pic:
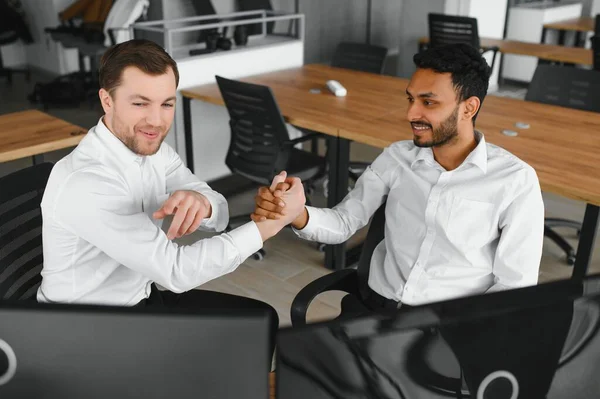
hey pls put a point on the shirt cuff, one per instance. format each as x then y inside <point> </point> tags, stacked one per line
<point>211,222</point>
<point>311,227</point>
<point>247,239</point>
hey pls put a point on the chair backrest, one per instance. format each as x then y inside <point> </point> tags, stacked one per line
<point>565,86</point>
<point>375,234</point>
<point>258,131</point>
<point>21,257</point>
<point>251,5</point>
<point>360,57</point>
<point>451,29</point>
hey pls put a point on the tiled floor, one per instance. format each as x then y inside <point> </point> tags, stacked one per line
<point>290,263</point>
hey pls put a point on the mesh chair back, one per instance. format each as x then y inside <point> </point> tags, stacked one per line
<point>375,234</point>
<point>566,87</point>
<point>452,29</point>
<point>21,257</point>
<point>258,131</point>
<point>360,57</point>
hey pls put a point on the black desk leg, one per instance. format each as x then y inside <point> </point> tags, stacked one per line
<point>37,159</point>
<point>544,32</point>
<point>187,131</point>
<point>339,156</point>
<point>561,37</point>
<point>579,41</point>
<point>586,241</point>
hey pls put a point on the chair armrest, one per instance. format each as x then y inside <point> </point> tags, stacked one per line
<point>302,139</point>
<point>343,280</point>
<point>493,48</point>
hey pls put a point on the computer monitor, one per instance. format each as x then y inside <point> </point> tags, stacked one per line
<point>536,342</point>
<point>77,351</point>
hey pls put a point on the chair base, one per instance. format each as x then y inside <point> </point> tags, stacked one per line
<point>562,243</point>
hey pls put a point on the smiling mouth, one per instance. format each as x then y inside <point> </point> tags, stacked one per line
<point>150,135</point>
<point>420,127</point>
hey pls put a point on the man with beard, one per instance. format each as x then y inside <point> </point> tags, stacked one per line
<point>105,202</point>
<point>463,217</point>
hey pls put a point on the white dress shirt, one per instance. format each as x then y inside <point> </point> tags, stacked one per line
<point>448,234</point>
<point>101,244</point>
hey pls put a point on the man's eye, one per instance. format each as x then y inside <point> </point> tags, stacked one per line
<point>410,99</point>
<point>139,104</point>
<point>168,105</point>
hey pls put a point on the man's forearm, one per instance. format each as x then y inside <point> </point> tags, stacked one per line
<point>268,228</point>
<point>301,221</point>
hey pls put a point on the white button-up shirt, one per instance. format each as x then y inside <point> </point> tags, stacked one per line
<point>448,234</point>
<point>101,244</point>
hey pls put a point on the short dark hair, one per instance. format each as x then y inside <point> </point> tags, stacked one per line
<point>469,70</point>
<point>143,54</point>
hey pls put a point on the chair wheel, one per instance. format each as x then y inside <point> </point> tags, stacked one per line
<point>570,260</point>
<point>321,247</point>
<point>260,255</point>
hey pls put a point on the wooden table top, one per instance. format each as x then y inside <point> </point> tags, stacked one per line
<point>580,24</point>
<point>551,52</point>
<point>28,133</point>
<point>367,97</point>
<point>562,144</point>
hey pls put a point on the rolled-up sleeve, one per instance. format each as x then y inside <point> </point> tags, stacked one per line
<point>98,210</point>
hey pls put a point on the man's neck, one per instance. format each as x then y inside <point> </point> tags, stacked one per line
<point>451,155</point>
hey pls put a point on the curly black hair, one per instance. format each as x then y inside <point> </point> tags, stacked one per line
<point>470,71</point>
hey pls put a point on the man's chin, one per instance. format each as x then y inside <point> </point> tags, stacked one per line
<point>419,142</point>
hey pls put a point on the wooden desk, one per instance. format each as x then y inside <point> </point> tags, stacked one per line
<point>566,162</point>
<point>32,133</point>
<point>580,26</point>
<point>562,145</point>
<point>368,97</point>
<point>272,385</point>
<point>550,52</point>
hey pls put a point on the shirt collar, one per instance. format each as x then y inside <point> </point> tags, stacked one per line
<point>477,157</point>
<point>116,146</point>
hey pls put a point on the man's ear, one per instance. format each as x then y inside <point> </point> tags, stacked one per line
<point>471,107</point>
<point>106,100</point>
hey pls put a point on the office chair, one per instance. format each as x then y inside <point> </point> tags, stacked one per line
<point>352,281</point>
<point>260,145</point>
<point>360,57</point>
<point>450,29</point>
<point>12,28</point>
<point>21,256</point>
<point>572,88</point>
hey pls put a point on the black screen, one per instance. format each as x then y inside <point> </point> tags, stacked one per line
<point>535,342</point>
<point>104,352</point>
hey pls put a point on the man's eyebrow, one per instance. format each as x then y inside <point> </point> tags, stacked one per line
<point>429,94</point>
<point>147,99</point>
